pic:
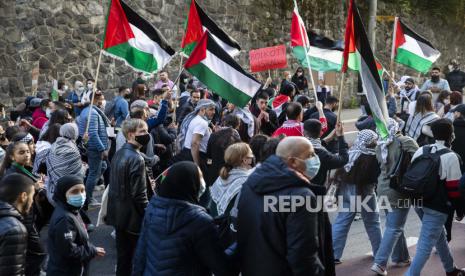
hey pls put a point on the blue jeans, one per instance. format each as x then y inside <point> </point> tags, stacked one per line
<point>432,234</point>
<point>393,238</point>
<point>96,168</point>
<point>344,219</point>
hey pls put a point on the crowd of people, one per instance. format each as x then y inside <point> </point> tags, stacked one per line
<point>186,174</point>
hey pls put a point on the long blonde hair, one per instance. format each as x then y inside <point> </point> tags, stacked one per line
<point>233,157</point>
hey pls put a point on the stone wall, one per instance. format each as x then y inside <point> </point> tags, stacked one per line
<point>61,38</point>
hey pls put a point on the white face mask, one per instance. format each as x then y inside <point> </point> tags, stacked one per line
<point>90,85</point>
<point>65,88</point>
<point>48,113</point>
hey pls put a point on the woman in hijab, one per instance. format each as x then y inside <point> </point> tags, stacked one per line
<point>68,243</point>
<point>63,158</point>
<point>178,237</point>
<point>359,179</point>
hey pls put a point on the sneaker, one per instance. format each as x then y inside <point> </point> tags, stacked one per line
<point>403,263</point>
<point>93,203</point>
<point>90,227</point>
<point>357,217</point>
<point>456,272</point>
<point>113,234</point>
<point>337,261</point>
<point>379,269</point>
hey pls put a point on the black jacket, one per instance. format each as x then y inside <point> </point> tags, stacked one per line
<point>68,244</point>
<point>458,144</point>
<point>127,195</point>
<point>278,243</point>
<point>185,109</point>
<point>179,238</point>
<point>217,144</point>
<point>330,161</point>
<point>331,118</point>
<point>301,82</point>
<point>35,249</point>
<point>13,241</point>
<point>456,80</point>
<point>167,137</point>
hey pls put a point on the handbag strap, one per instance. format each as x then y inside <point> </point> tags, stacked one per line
<point>234,211</point>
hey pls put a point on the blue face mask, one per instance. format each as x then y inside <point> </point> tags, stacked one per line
<point>76,200</point>
<point>313,165</point>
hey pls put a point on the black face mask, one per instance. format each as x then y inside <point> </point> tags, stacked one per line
<point>127,96</point>
<point>143,139</point>
<point>434,78</point>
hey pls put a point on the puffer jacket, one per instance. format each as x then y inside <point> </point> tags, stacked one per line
<point>13,241</point>
<point>178,238</point>
<point>281,243</point>
<point>33,221</point>
<point>127,194</point>
<point>98,137</point>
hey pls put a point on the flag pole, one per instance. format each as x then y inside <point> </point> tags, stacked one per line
<point>341,87</point>
<point>393,49</point>
<point>177,80</point>
<point>306,55</point>
<point>94,89</point>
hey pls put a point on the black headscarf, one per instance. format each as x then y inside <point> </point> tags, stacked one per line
<point>182,182</point>
<point>63,185</point>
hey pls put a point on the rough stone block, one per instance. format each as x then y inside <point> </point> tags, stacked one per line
<point>70,58</point>
<point>45,64</point>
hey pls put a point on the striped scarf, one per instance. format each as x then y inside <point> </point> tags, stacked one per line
<point>63,159</point>
<point>416,122</point>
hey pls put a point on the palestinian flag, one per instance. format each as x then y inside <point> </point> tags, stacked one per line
<point>215,68</point>
<point>278,103</point>
<point>358,49</point>
<point>411,49</point>
<point>324,54</point>
<point>197,23</point>
<point>131,38</point>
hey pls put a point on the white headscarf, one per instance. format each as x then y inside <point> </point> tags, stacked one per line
<point>364,138</point>
<point>393,129</point>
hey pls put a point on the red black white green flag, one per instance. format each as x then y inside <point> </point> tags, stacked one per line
<point>357,51</point>
<point>411,49</point>
<point>133,39</point>
<point>215,68</point>
<point>197,23</point>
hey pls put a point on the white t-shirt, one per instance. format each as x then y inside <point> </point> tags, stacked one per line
<point>198,125</point>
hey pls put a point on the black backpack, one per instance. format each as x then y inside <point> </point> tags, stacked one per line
<point>422,176</point>
<point>403,162</point>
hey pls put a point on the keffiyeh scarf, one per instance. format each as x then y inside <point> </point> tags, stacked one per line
<point>393,129</point>
<point>365,138</point>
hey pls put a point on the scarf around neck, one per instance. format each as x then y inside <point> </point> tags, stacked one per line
<point>364,138</point>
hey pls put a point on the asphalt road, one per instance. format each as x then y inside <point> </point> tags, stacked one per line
<point>357,254</point>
